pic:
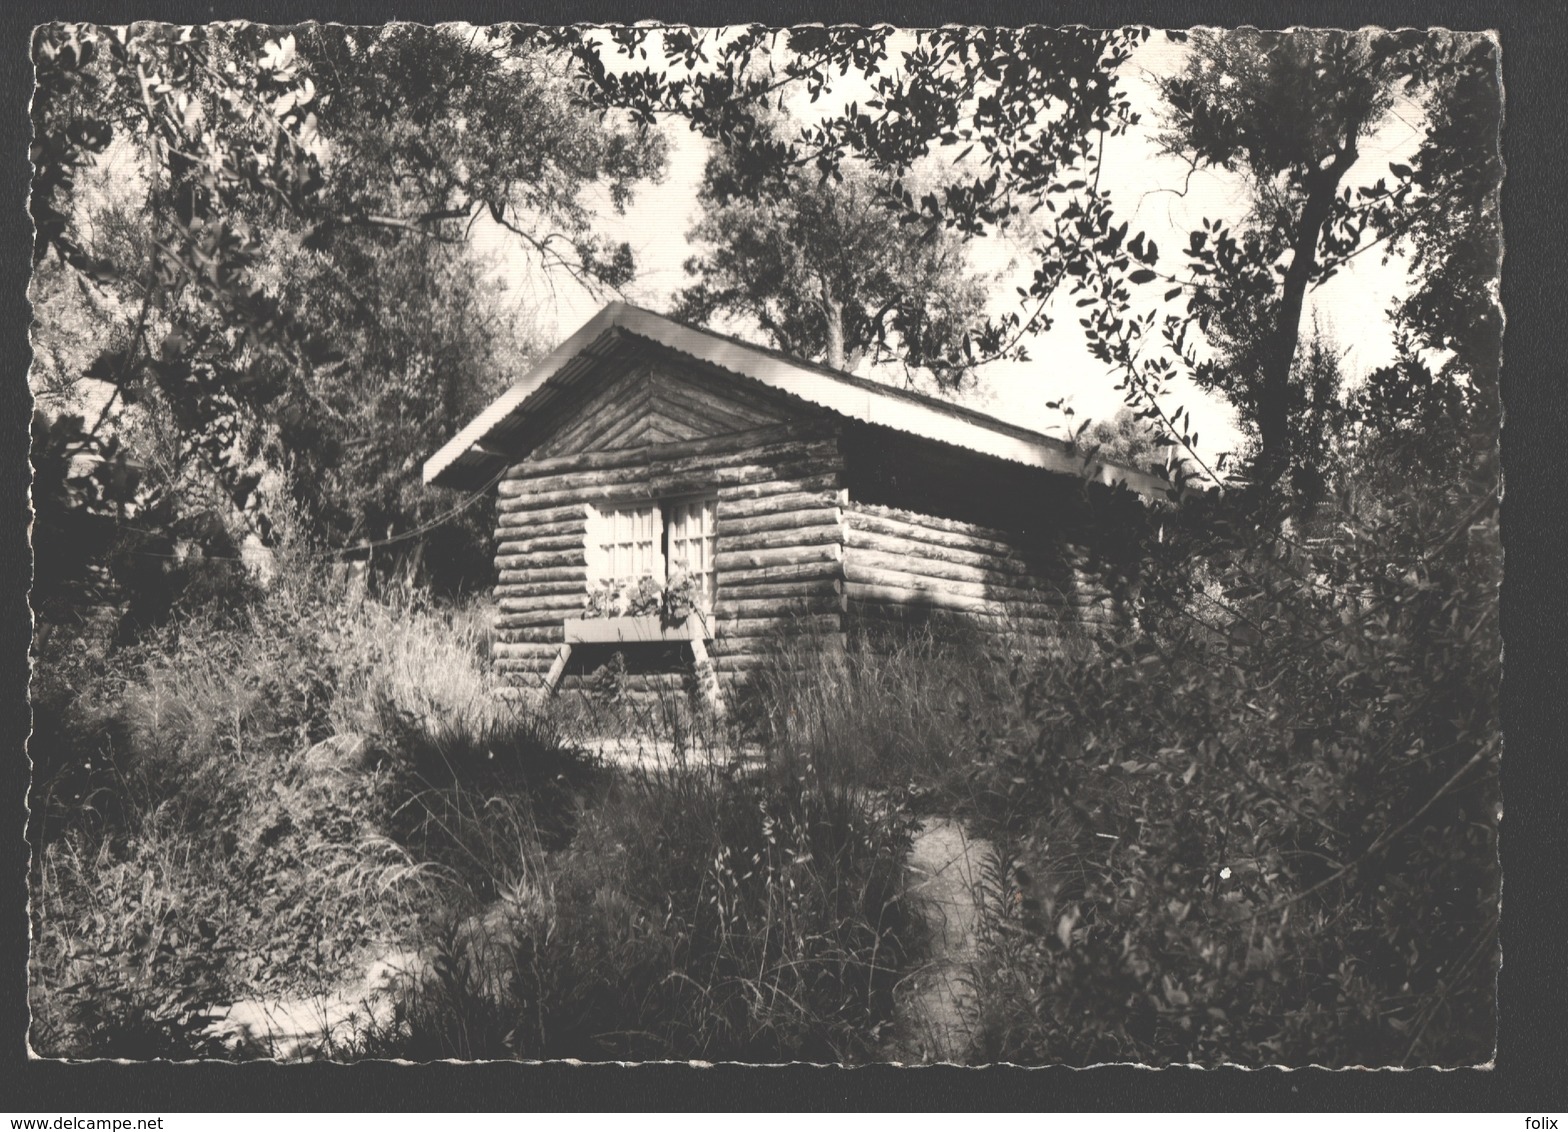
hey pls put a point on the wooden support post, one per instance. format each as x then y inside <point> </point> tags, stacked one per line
<point>707,679</point>
<point>554,676</point>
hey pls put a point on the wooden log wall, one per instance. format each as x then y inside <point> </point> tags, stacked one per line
<point>780,559</point>
<point>900,565</point>
<point>780,532</point>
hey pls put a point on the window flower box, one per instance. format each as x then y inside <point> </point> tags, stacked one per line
<point>632,630</point>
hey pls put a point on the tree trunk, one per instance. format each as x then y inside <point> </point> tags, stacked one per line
<point>833,312</point>
<point>1274,401</point>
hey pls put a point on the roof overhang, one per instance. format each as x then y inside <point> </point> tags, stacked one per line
<point>472,457</point>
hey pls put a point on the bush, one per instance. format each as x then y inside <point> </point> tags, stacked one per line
<point>898,710</point>
<point>130,947</point>
<point>695,915</point>
<point>197,840</point>
<point>1264,830</point>
<point>324,773</point>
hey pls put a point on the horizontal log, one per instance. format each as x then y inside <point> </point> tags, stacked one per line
<point>539,518</point>
<point>822,452</point>
<point>773,540</point>
<point>797,664</point>
<point>558,605</point>
<point>935,523</point>
<point>517,584</point>
<point>543,560</point>
<point>522,528</point>
<point>910,601</point>
<point>517,669</point>
<point>532,575</point>
<point>782,556</point>
<point>962,579</point>
<point>1002,560</point>
<point>820,585</point>
<point>872,612</point>
<point>733,509</point>
<point>813,625</point>
<point>748,662</point>
<point>523,618</point>
<point>876,529</point>
<point>734,493</point>
<point>873,520</point>
<point>524,650</point>
<point>569,540</point>
<point>825,566</point>
<point>531,634</point>
<point>509,599</point>
<point>650,453</point>
<point>1032,622</point>
<point>778,607</point>
<point>660,483</point>
<point>746,646</point>
<point>809,453</point>
<point>893,588</point>
<point>783,519</point>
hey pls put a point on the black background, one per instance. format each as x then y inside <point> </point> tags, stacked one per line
<point>1531,1070</point>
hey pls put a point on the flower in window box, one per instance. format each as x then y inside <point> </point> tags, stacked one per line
<point>602,600</point>
<point>644,597</point>
<point>680,597</point>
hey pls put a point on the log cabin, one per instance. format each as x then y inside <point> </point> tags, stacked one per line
<point>786,496</point>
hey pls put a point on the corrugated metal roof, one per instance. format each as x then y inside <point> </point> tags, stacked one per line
<point>477,453</point>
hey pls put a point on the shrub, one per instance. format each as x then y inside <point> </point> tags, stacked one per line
<point>130,947</point>
<point>897,710</point>
<point>479,790</point>
<point>194,843</point>
<point>694,915</point>
<point>1265,834</point>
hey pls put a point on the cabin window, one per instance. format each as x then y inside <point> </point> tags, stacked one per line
<point>624,543</point>
<point>691,542</point>
<point>654,540</point>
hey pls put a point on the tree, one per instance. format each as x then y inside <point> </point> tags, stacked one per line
<point>1445,382</point>
<point>1032,108</point>
<point>1287,111</point>
<point>1124,439</point>
<point>831,270</point>
<point>293,281</point>
<point>428,337</point>
<point>1026,108</point>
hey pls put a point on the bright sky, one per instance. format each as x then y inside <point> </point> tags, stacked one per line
<point>1153,192</point>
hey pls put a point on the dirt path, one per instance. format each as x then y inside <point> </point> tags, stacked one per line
<point>935,1008</point>
<point>296,1029</point>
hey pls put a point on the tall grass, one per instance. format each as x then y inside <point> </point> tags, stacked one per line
<point>904,709</point>
<point>194,840</point>
<point>694,914</point>
<point>714,908</point>
<point>323,775</point>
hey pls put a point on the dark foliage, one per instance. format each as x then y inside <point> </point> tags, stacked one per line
<point>1287,851</point>
<point>694,915</point>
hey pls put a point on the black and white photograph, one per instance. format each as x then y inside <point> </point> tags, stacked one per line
<point>826,544</point>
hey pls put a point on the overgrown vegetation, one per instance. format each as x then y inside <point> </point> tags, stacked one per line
<point>1242,869</point>
<point>263,799</point>
<point>1256,822</point>
<point>696,914</point>
<point>1269,838</point>
<point>210,807</point>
